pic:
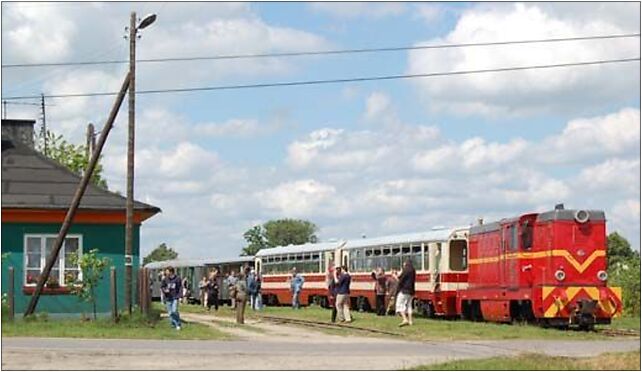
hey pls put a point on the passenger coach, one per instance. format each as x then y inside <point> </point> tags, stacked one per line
<point>439,256</point>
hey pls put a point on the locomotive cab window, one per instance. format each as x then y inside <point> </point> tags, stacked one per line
<point>458,255</point>
<point>527,235</point>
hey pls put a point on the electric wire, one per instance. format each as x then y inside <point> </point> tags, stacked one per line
<point>335,81</point>
<point>321,52</point>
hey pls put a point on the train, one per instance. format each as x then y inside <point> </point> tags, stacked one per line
<point>194,271</point>
<point>548,268</point>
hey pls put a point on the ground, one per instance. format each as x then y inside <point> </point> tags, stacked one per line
<point>265,345</point>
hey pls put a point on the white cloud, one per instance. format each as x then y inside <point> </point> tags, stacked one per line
<point>36,34</point>
<point>614,175</point>
<point>378,106</point>
<point>298,198</point>
<point>348,10</point>
<point>532,91</point>
<point>233,128</point>
<point>613,134</point>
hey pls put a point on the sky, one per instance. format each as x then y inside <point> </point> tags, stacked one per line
<point>371,158</point>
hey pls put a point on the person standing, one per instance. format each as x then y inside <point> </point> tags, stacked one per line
<point>212,291</point>
<point>202,291</point>
<point>332,293</point>
<point>296,285</point>
<point>391,291</point>
<point>380,290</point>
<point>259,298</point>
<point>185,290</point>
<point>241,298</point>
<point>252,289</point>
<point>231,286</point>
<point>343,294</point>
<point>171,288</point>
<point>406,293</point>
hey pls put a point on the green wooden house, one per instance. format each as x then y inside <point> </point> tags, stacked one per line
<point>36,192</point>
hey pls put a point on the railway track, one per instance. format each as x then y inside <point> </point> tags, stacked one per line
<point>326,325</point>
<point>619,332</point>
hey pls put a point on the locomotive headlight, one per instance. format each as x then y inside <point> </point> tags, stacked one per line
<point>582,216</point>
<point>602,275</point>
<point>560,275</point>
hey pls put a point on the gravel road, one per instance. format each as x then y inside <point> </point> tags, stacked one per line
<point>318,353</point>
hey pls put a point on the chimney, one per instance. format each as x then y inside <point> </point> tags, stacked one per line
<point>18,130</point>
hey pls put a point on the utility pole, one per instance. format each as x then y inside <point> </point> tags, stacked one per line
<point>130,164</point>
<point>129,214</point>
<point>91,140</point>
<point>75,202</point>
<point>43,130</point>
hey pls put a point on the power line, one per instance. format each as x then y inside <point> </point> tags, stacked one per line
<point>335,81</point>
<point>321,52</point>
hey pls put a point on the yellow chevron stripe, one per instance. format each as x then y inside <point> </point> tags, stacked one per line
<point>580,267</point>
<point>546,291</point>
<point>593,293</point>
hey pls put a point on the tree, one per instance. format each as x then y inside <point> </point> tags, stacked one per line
<point>92,268</point>
<point>619,250</point>
<point>160,253</point>
<point>256,240</point>
<point>281,232</point>
<point>74,157</point>
<point>624,272</point>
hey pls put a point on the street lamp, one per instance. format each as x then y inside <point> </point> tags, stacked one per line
<point>129,213</point>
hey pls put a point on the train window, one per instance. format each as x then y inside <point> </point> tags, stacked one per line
<point>527,235</point>
<point>277,259</point>
<point>416,249</point>
<point>315,256</point>
<point>396,251</point>
<point>458,253</point>
<point>386,251</point>
<point>368,252</point>
<point>299,257</point>
<point>405,250</point>
<point>513,238</point>
<point>377,252</point>
<point>426,257</point>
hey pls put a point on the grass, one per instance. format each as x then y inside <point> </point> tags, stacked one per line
<point>428,329</point>
<point>135,327</point>
<point>627,361</point>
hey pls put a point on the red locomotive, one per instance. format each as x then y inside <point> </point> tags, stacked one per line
<point>549,267</point>
<point>546,267</point>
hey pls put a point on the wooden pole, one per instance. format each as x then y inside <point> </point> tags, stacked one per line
<point>113,294</point>
<point>129,216</point>
<point>11,294</point>
<point>80,191</point>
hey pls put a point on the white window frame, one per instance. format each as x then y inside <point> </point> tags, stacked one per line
<point>43,257</point>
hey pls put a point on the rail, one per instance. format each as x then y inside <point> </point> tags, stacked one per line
<point>311,323</point>
<point>618,332</point>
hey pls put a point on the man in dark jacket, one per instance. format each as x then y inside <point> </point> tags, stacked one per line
<point>406,292</point>
<point>171,288</point>
<point>343,280</point>
<point>212,291</point>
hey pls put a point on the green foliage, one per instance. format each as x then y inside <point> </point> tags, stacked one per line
<point>71,156</point>
<point>281,232</point>
<point>256,240</point>
<point>624,271</point>
<point>160,253</point>
<point>92,268</point>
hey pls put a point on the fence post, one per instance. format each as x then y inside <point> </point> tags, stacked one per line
<point>114,303</point>
<point>11,294</point>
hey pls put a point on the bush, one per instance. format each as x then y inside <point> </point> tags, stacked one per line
<point>627,275</point>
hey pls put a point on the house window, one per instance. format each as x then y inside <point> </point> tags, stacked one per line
<point>38,248</point>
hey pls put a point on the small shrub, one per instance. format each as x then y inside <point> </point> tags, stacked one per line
<point>42,317</point>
